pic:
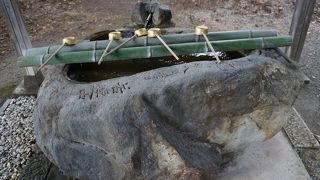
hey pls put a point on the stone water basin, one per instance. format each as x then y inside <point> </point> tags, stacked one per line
<point>162,119</point>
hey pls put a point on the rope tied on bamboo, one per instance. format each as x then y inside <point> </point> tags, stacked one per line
<point>67,41</point>
<point>203,31</point>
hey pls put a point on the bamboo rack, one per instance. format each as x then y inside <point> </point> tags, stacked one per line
<point>157,51</point>
<point>144,41</point>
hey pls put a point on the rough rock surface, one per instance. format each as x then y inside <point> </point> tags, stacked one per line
<point>161,14</point>
<point>178,122</point>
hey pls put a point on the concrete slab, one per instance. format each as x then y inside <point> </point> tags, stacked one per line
<point>299,133</point>
<point>311,159</point>
<point>274,159</point>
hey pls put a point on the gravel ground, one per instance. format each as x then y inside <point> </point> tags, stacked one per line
<point>16,137</point>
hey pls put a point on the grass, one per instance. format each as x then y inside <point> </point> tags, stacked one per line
<point>6,92</point>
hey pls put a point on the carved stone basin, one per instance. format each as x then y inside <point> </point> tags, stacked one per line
<point>165,121</point>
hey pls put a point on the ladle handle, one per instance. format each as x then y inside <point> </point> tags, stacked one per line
<point>211,47</point>
<point>105,52</point>
<point>168,48</point>
<point>52,55</point>
<point>118,47</point>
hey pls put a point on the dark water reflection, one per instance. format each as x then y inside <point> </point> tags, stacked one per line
<point>91,72</point>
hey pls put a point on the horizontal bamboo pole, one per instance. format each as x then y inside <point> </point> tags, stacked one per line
<point>157,51</point>
<point>144,41</point>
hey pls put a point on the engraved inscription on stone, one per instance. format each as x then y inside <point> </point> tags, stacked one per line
<point>97,92</point>
<point>161,75</point>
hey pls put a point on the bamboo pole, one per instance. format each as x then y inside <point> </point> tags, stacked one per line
<point>158,51</point>
<point>169,39</point>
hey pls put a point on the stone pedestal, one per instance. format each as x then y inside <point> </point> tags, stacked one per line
<point>29,85</point>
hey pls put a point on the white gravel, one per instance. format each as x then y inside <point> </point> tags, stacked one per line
<point>16,137</point>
